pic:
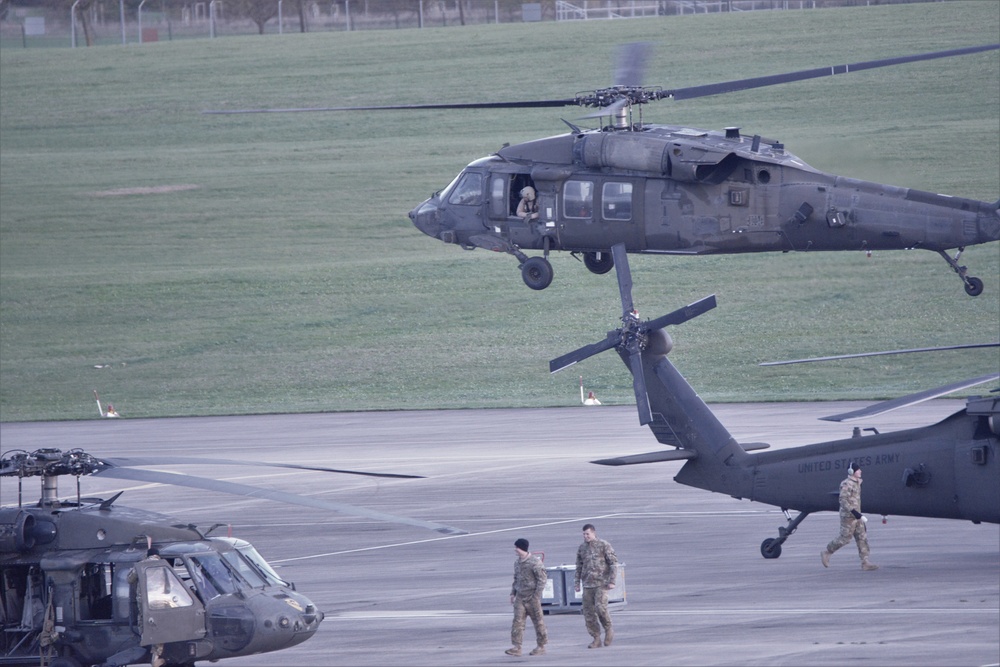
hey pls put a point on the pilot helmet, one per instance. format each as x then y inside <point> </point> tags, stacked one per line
<point>528,192</point>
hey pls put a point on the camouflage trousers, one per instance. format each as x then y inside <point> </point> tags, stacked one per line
<point>595,610</point>
<point>528,607</point>
<point>851,528</point>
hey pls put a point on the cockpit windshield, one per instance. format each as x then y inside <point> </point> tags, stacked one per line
<point>467,189</point>
<point>262,565</point>
<point>245,569</point>
<point>211,576</point>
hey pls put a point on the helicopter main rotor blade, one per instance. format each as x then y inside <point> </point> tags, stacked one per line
<point>630,67</point>
<point>801,75</point>
<point>878,354</point>
<point>524,104</point>
<point>912,399</point>
<point>628,87</point>
<point>181,460</point>
<point>269,494</point>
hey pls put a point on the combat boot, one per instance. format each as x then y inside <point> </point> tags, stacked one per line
<point>596,643</point>
<point>867,565</point>
<point>825,557</point>
<point>609,634</point>
<point>515,650</point>
<point>538,650</point>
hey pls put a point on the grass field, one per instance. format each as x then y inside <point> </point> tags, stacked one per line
<point>187,264</point>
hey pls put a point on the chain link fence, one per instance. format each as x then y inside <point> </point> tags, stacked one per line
<point>81,23</point>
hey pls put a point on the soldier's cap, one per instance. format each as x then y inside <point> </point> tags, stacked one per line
<point>521,544</point>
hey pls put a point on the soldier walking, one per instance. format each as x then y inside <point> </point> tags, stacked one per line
<point>852,522</point>
<point>526,596</point>
<point>596,569</point>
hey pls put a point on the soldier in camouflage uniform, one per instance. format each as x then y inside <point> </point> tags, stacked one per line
<point>852,523</point>
<point>596,568</point>
<point>526,596</point>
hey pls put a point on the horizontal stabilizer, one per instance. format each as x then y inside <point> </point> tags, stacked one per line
<point>753,446</point>
<point>912,399</point>
<point>651,457</point>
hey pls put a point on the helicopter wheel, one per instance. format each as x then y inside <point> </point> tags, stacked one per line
<point>974,286</point>
<point>770,548</point>
<point>537,273</point>
<point>598,262</point>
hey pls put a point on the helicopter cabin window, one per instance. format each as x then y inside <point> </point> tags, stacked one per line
<point>164,590</point>
<point>96,580</point>
<point>469,190</point>
<point>616,201</point>
<point>23,608</point>
<point>499,201</point>
<point>578,199</point>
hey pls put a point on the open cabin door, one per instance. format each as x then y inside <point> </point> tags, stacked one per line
<point>169,612</point>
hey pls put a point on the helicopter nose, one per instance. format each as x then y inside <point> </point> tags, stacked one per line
<point>427,218</point>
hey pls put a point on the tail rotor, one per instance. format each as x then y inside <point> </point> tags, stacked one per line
<point>634,336</point>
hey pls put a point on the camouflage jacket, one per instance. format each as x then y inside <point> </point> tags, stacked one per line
<point>850,496</point>
<point>596,564</point>
<point>529,578</point>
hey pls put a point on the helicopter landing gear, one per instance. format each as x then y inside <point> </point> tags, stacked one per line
<point>973,285</point>
<point>537,273</point>
<point>771,547</point>
<point>598,262</point>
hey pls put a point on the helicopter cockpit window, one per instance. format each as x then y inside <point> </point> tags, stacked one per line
<point>211,576</point>
<point>616,201</point>
<point>164,590</point>
<point>262,565</point>
<point>245,569</point>
<point>469,190</point>
<point>578,199</point>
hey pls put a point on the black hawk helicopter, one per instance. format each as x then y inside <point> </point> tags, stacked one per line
<point>948,470</point>
<point>665,189</point>
<point>89,582</point>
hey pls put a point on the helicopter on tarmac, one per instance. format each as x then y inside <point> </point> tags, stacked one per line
<point>89,582</point>
<point>665,189</point>
<point>948,470</point>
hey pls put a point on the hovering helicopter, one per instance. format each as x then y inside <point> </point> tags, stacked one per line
<point>948,470</point>
<point>666,189</point>
<point>89,582</point>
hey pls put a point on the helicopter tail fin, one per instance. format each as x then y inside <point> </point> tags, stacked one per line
<point>683,417</point>
<point>682,420</point>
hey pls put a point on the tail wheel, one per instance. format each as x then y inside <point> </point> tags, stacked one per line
<point>599,262</point>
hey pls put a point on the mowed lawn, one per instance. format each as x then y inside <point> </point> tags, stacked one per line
<point>190,264</point>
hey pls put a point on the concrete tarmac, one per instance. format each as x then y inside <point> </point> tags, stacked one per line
<point>698,590</point>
